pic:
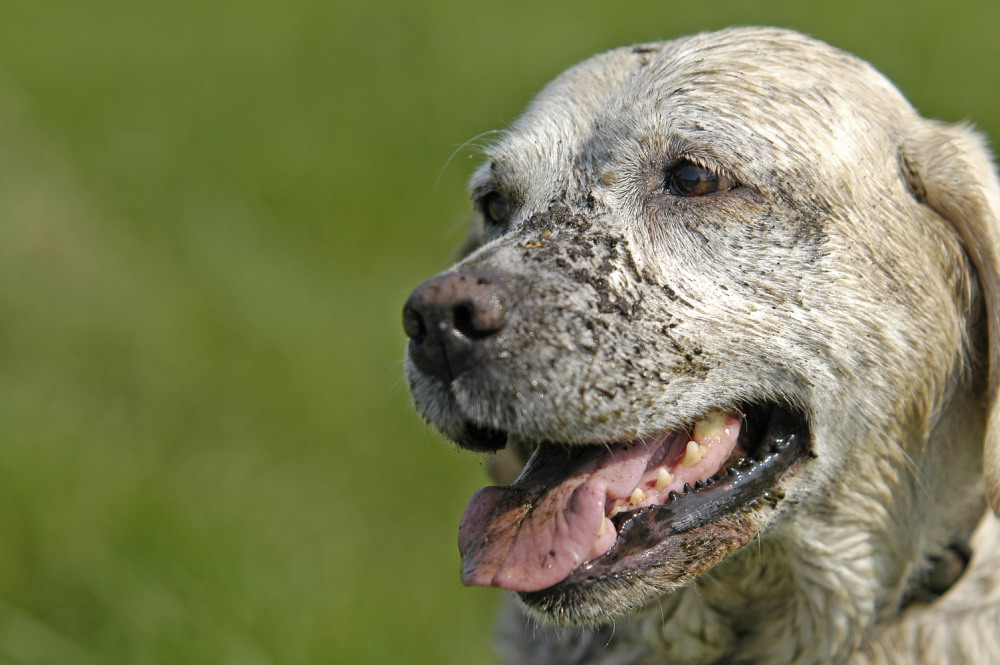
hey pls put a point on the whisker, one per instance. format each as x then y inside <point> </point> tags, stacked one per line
<point>472,142</point>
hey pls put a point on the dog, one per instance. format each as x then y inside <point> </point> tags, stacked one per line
<point>727,326</point>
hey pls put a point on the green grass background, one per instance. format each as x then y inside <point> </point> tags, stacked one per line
<point>210,215</point>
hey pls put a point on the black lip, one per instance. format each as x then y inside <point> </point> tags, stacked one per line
<point>776,439</point>
<point>480,438</point>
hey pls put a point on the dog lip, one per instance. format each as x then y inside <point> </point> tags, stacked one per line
<point>481,438</point>
<point>650,536</point>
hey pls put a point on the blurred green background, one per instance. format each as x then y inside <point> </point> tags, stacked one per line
<point>210,214</point>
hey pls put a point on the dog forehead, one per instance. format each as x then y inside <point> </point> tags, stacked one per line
<point>761,93</point>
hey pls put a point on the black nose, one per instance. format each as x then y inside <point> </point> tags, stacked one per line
<point>451,318</point>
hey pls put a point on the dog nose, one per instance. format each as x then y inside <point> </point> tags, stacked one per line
<point>450,317</point>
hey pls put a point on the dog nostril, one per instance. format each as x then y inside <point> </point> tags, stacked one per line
<point>463,321</point>
<point>413,323</point>
<point>478,320</point>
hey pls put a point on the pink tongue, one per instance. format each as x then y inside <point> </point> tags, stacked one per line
<point>534,533</point>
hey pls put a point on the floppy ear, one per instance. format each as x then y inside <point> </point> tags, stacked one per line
<point>949,168</point>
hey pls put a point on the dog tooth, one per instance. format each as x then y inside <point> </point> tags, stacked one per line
<point>711,427</point>
<point>615,511</point>
<point>637,496</point>
<point>693,453</point>
<point>603,529</point>
<point>663,478</point>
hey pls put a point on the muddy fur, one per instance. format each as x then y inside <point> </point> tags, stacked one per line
<point>851,273</point>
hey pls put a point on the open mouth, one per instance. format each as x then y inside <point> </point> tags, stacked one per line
<point>580,515</point>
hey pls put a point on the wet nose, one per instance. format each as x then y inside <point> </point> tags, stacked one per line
<point>451,318</point>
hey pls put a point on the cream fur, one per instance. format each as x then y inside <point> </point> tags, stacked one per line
<point>854,274</point>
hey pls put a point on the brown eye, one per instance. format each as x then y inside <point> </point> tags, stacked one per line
<point>689,179</point>
<point>495,207</point>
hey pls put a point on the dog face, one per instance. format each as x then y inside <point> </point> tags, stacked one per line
<point>725,288</point>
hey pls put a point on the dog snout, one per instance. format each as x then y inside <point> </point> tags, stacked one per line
<point>452,318</point>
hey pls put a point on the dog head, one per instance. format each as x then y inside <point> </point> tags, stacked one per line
<point>721,288</point>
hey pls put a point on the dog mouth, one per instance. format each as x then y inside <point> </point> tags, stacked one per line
<point>585,515</point>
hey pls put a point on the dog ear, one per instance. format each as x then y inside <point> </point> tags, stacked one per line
<point>949,168</point>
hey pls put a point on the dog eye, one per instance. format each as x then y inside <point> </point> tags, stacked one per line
<point>495,207</point>
<point>689,179</point>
